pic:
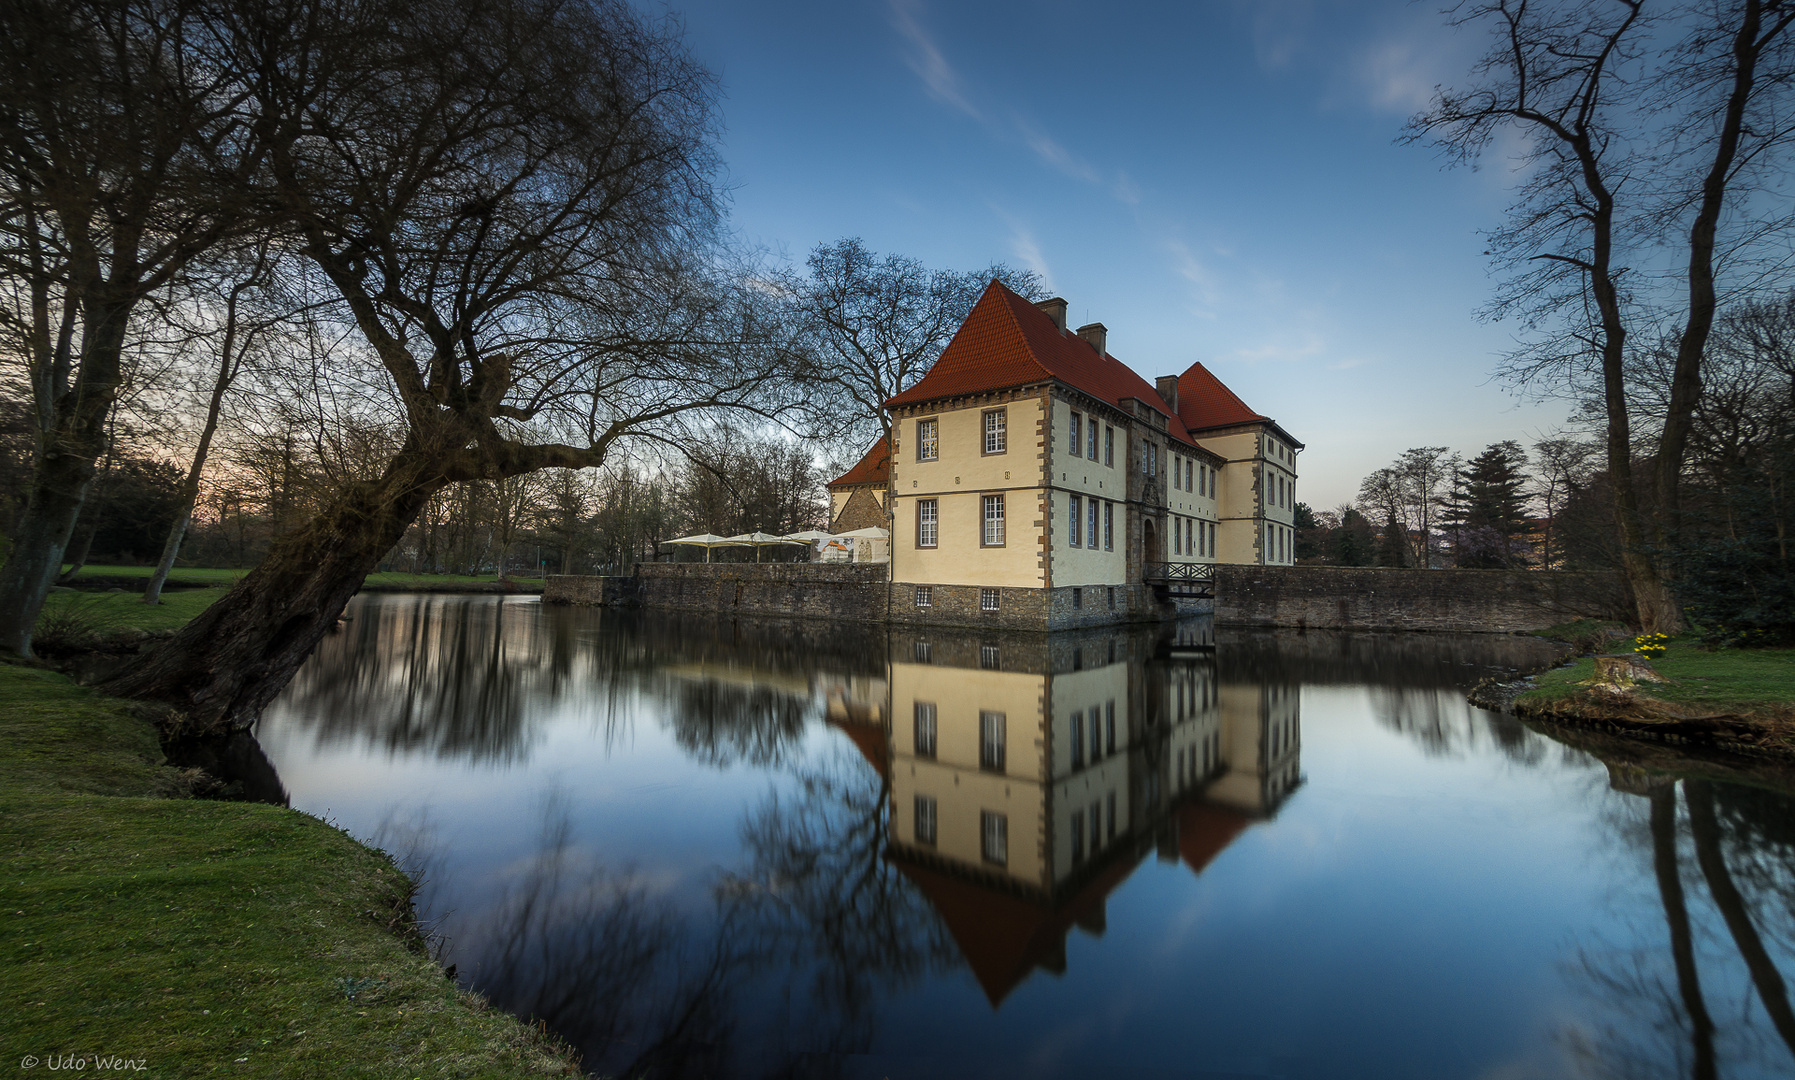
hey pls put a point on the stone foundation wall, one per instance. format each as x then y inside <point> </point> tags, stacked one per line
<point>1366,598</point>
<point>1027,609</point>
<point>855,592</point>
<point>592,591</point>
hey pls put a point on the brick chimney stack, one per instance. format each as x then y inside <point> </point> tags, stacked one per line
<point>1168,391</point>
<point>1097,334</point>
<point>1056,310</point>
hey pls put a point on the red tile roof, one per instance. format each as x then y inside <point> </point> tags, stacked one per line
<point>874,466</point>
<point>1203,402</point>
<point>1007,341</point>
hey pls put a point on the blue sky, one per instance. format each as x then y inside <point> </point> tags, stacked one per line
<point>1215,181</point>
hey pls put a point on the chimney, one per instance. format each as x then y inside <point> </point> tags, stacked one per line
<point>1168,391</point>
<point>1097,334</point>
<point>1056,310</point>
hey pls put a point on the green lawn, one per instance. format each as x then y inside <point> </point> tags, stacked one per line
<point>206,937</point>
<point>204,576</point>
<point>1703,679</point>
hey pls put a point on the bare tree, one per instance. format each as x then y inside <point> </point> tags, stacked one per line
<point>514,203</point>
<point>1597,97</point>
<point>118,148</point>
<point>876,324</point>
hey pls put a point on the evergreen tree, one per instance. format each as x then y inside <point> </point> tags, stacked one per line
<point>1309,534</point>
<point>1353,544</point>
<point>1488,514</point>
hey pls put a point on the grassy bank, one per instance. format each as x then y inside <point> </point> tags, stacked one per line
<point>203,937</point>
<point>189,577</point>
<point>1740,697</point>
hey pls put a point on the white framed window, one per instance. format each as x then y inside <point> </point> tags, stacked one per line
<point>1109,445</point>
<point>1075,523</point>
<point>928,517</point>
<point>925,596</point>
<point>928,440</point>
<point>925,729</point>
<point>989,658</point>
<point>994,837</point>
<point>992,535</point>
<point>1189,467</point>
<point>996,432</point>
<point>923,652</point>
<point>1077,603</point>
<point>1077,440</point>
<point>1202,480</point>
<point>1091,532</point>
<point>1091,439</point>
<point>988,602</point>
<point>991,740</point>
<point>925,820</point>
<point>1109,526</point>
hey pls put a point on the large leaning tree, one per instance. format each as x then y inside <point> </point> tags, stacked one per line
<point>514,201</point>
<point>1646,127</point>
<point>124,157</point>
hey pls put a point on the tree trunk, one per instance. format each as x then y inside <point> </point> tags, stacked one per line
<point>1685,383</point>
<point>1682,944</point>
<point>76,556</point>
<point>1772,991</point>
<point>71,444</point>
<point>226,665</point>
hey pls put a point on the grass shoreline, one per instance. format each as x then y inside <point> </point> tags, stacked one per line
<point>1736,700</point>
<point>183,578</point>
<point>201,937</point>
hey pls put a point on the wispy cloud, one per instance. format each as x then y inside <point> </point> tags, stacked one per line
<point>1283,347</point>
<point>1399,75</point>
<point>1280,30</point>
<point>925,57</point>
<point>1056,155</point>
<point>1205,285</point>
<point>1125,189</point>
<point>1025,249</point>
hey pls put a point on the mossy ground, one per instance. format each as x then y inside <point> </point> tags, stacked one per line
<point>1741,699</point>
<point>206,938</point>
<point>186,577</point>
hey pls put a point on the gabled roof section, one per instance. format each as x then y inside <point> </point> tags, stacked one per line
<point>1203,402</point>
<point>1007,342</point>
<point>874,467</point>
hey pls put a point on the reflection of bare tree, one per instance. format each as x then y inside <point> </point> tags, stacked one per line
<point>1698,1017</point>
<point>1773,993</point>
<point>828,893</point>
<point>640,989</point>
<point>1676,915</point>
<point>721,723</point>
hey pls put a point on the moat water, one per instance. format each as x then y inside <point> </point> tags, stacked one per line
<point>698,848</point>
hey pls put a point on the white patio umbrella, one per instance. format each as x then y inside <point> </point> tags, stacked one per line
<point>871,532</point>
<point>707,541</point>
<point>758,540</point>
<point>810,536</point>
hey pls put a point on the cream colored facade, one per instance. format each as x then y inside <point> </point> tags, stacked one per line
<point>1101,745</point>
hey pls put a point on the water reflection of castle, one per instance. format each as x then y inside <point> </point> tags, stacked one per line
<point>1029,776</point>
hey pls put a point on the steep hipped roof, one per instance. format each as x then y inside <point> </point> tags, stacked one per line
<point>1007,341</point>
<point>1203,402</point>
<point>874,466</point>
<point>1004,937</point>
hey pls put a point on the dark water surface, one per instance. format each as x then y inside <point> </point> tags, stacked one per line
<point>731,849</point>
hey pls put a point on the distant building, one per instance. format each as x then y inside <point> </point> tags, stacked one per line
<point>1036,481</point>
<point>857,497</point>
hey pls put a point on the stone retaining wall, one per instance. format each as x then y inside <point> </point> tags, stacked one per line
<point>851,591</point>
<point>1367,598</point>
